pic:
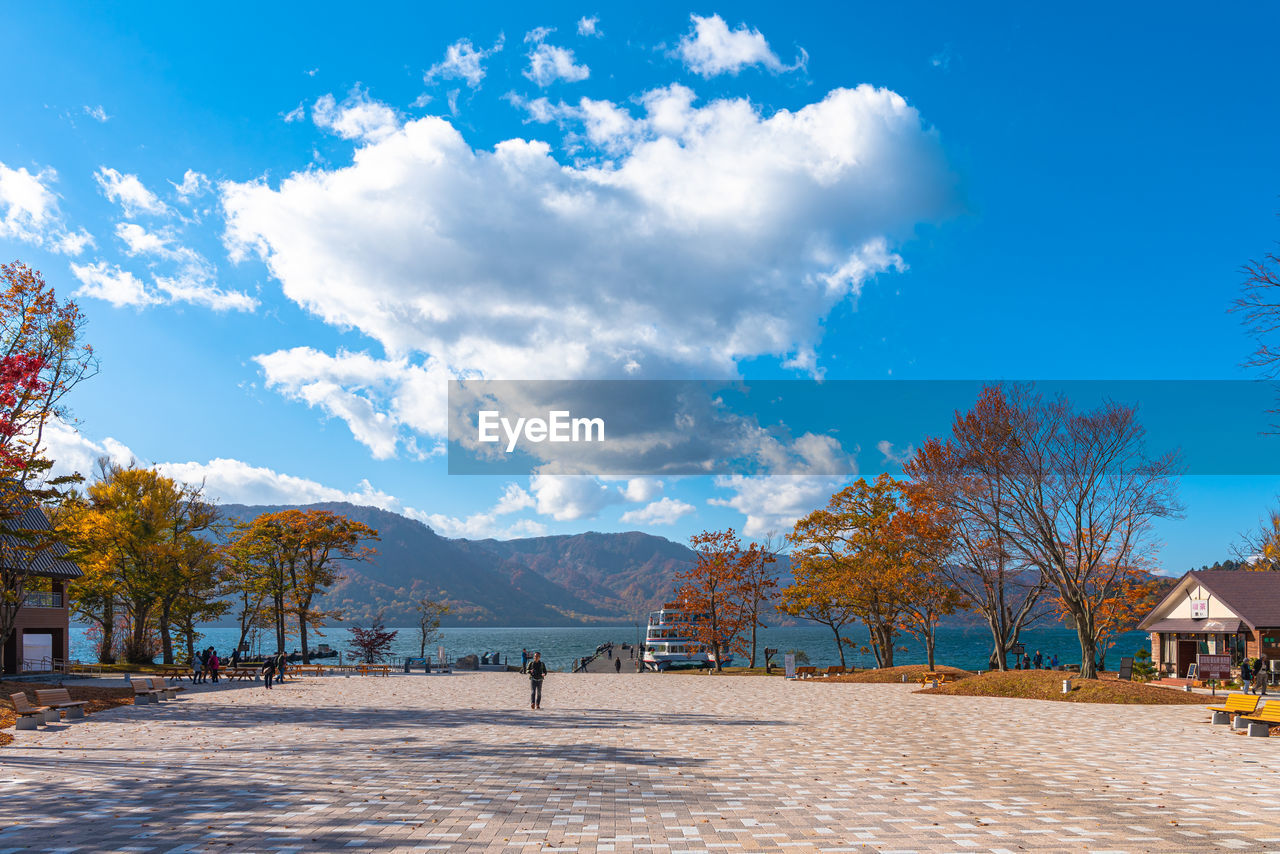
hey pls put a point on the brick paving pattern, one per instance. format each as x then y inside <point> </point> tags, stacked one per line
<point>633,763</point>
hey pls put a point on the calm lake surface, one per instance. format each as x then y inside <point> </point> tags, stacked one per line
<point>966,647</point>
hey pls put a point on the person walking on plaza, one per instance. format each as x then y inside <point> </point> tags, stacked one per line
<point>269,670</point>
<point>617,664</point>
<point>1260,677</point>
<point>1246,676</point>
<point>214,663</point>
<point>524,660</point>
<point>197,672</point>
<point>537,672</point>
<point>1038,662</point>
<point>204,666</point>
<point>235,657</point>
<point>281,661</point>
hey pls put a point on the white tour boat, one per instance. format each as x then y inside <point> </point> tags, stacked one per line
<point>667,642</point>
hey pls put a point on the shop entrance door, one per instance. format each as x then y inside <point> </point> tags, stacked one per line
<point>1186,656</point>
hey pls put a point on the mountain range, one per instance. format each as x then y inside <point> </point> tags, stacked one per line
<point>568,580</point>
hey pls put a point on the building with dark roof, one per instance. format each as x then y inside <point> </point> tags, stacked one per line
<point>1216,612</point>
<point>41,634</point>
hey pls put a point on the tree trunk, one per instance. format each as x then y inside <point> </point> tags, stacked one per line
<point>302,631</point>
<point>105,646</point>
<point>1000,653</point>
<point>1088,648</point>
<point>279,603</point>
<point>929,640</point>
<point>753,642</point>
<point>839,646</point>
<point>166,641</point>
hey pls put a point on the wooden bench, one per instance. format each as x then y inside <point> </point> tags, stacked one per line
<point>59,699</point>
<point>806,672</point>
<point>936,676</point>
<point>144,692</point>
<point>1260,723</point>
<point>170,691</point>
<point>1236,705</point>
<point>834,670</point>
<point>231,674</point>
<point>29,716</point>
<point>379,669</point>
<point>309,669</point>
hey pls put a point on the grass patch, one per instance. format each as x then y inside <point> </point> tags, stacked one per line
<point>1047,685</point>
<point>98,698</point>
<point>913,672</point>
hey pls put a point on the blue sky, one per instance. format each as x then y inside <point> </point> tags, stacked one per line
<point>289,230</point>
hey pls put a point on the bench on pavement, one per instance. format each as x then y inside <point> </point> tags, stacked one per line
<point>1260,724</point>
<point>170,691</point>
<point>1235,706</point>
<point>936,676</point>
<point>309,669</point>
<point>833,670</point>
<point>29,716</point>
<point>806,672</point>
<point>375,669</point>
<point>233,673</point>
<point>144,692</point>
<point>60,700</point>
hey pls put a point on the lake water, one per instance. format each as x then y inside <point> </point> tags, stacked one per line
<point>966,647</point>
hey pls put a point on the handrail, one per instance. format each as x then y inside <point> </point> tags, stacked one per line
<point>42,599</point>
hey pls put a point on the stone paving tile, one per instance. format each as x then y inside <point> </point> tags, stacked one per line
<point>639,764</point>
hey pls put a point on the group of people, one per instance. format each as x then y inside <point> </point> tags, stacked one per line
<point>206,665</point>
<point>1253,675</point>
<point>1036,662</point>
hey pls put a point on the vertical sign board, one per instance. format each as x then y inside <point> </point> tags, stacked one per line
<point>1213,666</point>
<point>789,662</point>
<point>1126,668</point>
<point>1199,609</point>
<point>440,656</point>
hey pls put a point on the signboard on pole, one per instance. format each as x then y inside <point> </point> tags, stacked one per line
<point>440,656</point>
<point>1213,666</point>
<point>1126,668</point>
<point>1199,609</point>
<point>1018,649</point>
<point>789,662</point>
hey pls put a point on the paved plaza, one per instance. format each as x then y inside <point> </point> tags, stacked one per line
<point>652,763</point>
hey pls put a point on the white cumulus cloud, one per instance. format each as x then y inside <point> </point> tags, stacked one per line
<point>29,212</point>
<point>549,63</point>
<point>667,511</point>
<point>462,61</point>
<point>194,184</point>
<point>716,234</point>
<point>711,48</point>
<point>384,402</point>
<point>589,26</point>
<point>109,283</point>
<point>129,192</point>
<point>357,117</point>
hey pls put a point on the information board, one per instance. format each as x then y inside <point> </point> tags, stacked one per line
<point>1126,668</point>
<point>1213,666</point>
<point>789,663</point>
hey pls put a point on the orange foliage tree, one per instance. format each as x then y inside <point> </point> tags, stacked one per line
<point>714,592</point>
<point>1130,595</point>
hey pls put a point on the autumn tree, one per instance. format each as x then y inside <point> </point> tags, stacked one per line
<point>759,585</point>
<point>1260,550</point>
<point>965,476</point>
<point>42,358</point>
<point>816,594</point>
<point>712,593</point>
<point>1259,308</point>
<point>866,563</point>
<point>371,644</point>
<point>1077,494</point>
<point>141,537</point>
<point>1133,592</point>
<point>923,543</point>
<point>290,557</point>
<point>429,612</point>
